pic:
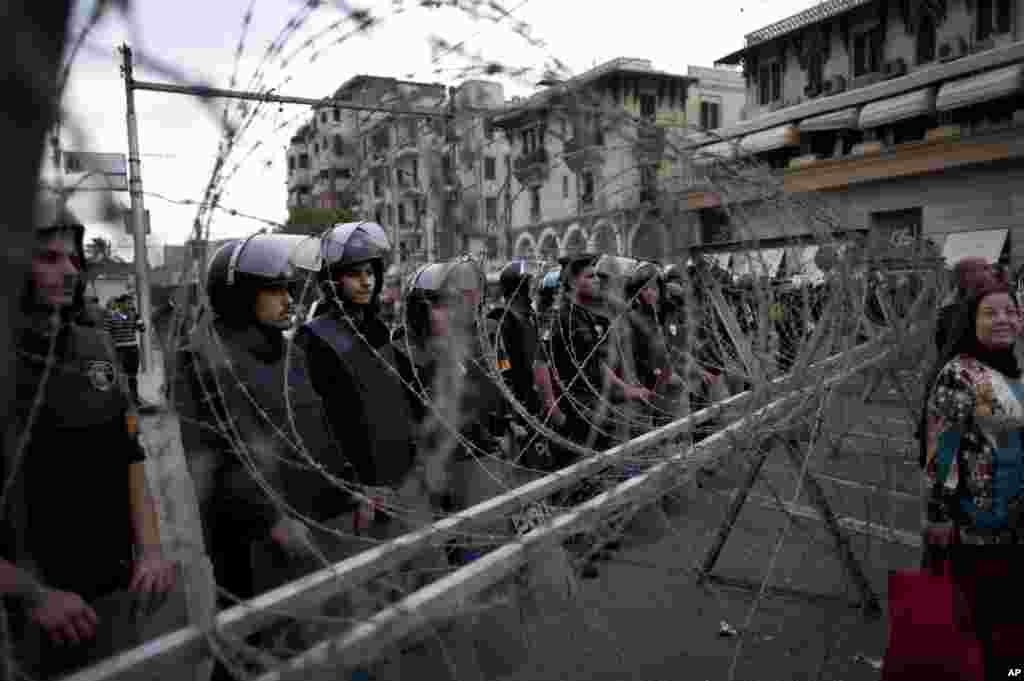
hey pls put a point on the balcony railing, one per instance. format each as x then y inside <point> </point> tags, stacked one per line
<point>532,168</point>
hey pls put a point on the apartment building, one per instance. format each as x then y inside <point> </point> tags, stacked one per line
<point>903,117</point>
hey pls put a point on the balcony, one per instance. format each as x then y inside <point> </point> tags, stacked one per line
<point>579,155</point>
<point>650,143</point>
<point>532,168</point>
<point>300,177</point>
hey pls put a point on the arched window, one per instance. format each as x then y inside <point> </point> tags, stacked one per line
<point>926,39</point>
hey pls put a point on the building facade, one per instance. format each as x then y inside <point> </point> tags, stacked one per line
<point>902,118</point>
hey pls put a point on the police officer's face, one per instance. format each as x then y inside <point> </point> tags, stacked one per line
<point>649,295</point>
<point>357,284</point>
<point>55,270</point>
<point>273,306</point>
<point>440,319</point>
<point>586,283</point>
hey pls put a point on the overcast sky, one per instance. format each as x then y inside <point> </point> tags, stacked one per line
<point>179,137</point>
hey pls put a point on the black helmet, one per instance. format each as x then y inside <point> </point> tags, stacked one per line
<point>643,274</point>
<point>353,243</point>
<point>516,279</point>
<point>241,267</point>
<point>574,264</point>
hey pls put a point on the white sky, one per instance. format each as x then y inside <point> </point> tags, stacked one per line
<point>179,137</point>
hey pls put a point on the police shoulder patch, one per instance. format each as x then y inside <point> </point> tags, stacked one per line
<point>101,374</point>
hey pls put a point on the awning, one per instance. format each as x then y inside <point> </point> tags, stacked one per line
<point>719,150</point>
<point>800,265</point>
<point>763,263</point>
<point>844,119</point>
<point>778,137</point>
<point>981,88</point>
<point>721,259</point>
<point>987,244</point>
<point>883,112</point>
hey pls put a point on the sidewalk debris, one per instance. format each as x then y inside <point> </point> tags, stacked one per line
<point>726,630</point>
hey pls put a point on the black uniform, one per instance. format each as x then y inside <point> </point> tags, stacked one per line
<point>519,349</point>
<point>580,351</point>
<point>365,402</point>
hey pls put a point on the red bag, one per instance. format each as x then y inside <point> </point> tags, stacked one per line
<point>930,635</point>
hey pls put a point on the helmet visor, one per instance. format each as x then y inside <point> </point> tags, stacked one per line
<point>267,256</point>
<point>343,241</point>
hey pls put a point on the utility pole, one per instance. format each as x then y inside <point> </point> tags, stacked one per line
<point>138,212</point>
<point>58,166</point>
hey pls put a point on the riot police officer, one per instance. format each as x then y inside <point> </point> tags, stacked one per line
<point>351,362</point>
<point>582,357</point>
<point>81,541</point>
<point>257,478</point>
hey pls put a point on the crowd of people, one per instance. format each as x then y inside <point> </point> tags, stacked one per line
<point>307,445</point>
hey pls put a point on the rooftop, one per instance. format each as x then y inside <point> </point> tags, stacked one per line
<point>618,65</point>
<point>820,12</point>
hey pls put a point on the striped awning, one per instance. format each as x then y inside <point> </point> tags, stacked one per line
<point>779,137</point>
<point>844,119</point>
<point>980,88</point>
<point>760,263</point>
<point>910,105</point>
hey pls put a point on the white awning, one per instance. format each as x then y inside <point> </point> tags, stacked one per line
<point>719,150</point>
<point>721,259</point>
<point>769,140</point>
<point>886,111</point>
<point>980,88</point>
<point>762,263</point>
<point>844,119</point>
<point>987,244</point>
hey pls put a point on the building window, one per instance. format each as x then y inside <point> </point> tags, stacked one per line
<point>648,107</point>
<point>993,16</point>
<point>815,72</point>
<point>926,39</point>
<point>769,82</point>
<point>401,214</point>
<point>304,161</point>
<point>529,140</point>
<point>339,147</point>
<point>587,193</point>
<point>316,148</point>
<point>377,216</point>
<point>323,116</point>
<point>490,170</point>
<point>535,204</point>
<point>291,163</point>
<point>491,208</point>
<point>714,226</point>
<point>710,115</point>
<point>415,172</point>
<point>867,51</point>
<point>337,114</point>
<point>565,186</point>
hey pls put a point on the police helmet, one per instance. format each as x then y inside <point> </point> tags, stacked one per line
<point>516,278</point>
<point>572,265</point>
<point>461,279</point>
<point>241,267</point>
<point>353,243</point>
<point>642,275</point>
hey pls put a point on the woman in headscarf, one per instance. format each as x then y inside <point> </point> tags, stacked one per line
<point>974,464</point>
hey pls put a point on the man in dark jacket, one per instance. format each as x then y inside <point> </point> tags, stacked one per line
<point>351,362</point>
<point>81,543</point>
<point>254,463</point>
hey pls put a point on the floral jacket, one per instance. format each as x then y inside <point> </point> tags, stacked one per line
<point>975,462</point>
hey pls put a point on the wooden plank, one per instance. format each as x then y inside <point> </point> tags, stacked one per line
<point>304,595</point>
